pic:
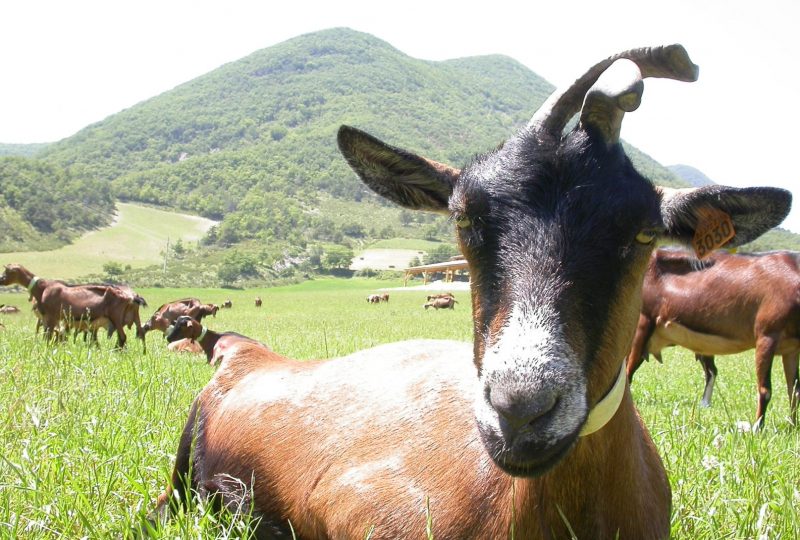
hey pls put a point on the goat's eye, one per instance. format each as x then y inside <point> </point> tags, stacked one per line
<point>646,236</point>
<point>463,222</point>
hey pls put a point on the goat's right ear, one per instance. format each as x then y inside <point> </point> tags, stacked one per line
<point>400,176</point>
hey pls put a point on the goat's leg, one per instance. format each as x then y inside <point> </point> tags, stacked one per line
<point>710,371</point>
<point>765,351</point>
<point>140,333</point>
<point>790,371</point>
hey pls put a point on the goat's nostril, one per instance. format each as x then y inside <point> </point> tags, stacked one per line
<point>518,408</point>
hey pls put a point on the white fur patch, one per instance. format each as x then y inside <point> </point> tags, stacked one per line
<point>531,355</point>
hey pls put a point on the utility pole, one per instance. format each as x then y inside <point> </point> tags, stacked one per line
<point>166,254</point>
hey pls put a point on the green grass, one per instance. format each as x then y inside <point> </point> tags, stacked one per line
<point>138,238</point>
<point>88,435</point>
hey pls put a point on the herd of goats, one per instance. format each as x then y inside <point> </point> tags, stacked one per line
<point>531,430</point>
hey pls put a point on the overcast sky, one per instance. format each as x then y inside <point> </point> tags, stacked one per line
<point>66,64</point>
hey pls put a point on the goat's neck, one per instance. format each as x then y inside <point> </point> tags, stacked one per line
<point>208,342</point>
<point>604,468</point>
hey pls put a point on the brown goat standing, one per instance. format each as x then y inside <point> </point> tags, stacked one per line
<point>724,304</point>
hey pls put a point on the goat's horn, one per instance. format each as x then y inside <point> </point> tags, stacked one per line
<point>617,91</point>
<point>668,62</point>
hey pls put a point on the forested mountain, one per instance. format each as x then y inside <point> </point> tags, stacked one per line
<point>24,150</point>
<point>253,142</point>
<point>43,206</point>
<point>691,175</point>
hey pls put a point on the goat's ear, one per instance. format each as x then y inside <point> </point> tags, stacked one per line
<point>750,212</point>
<point>400,176</point>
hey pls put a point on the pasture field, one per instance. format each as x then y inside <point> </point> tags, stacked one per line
<point>138,237</point>
<point>88,434</point>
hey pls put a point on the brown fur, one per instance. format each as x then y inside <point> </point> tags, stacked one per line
<point>258,301</point>
<point>442,302</point>
<point>215,345</point>
<point>725,304</point>
<point>185,345</point>
<point>354,445</point>
<point>83,307</point>
<point>167,313</point>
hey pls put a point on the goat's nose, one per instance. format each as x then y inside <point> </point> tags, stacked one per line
<point>519,408</point>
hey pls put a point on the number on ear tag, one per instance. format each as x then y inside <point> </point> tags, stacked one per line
<point>714,229</point>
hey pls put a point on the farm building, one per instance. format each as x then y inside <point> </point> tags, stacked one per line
<point>448,268</point>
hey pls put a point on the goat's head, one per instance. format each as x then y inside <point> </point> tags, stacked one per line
<point>184,327</point>
<point>557,229</point>
<point>14,274</point>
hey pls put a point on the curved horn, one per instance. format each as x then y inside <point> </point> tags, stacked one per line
<point>668,62</point>
<point>617,91</point>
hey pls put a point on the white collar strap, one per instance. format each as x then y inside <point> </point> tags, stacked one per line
<point>32,284</point>
<point>607,407</point>
<point>202,334</point>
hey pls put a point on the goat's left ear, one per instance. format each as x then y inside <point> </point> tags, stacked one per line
<point>751,211</point>
<point>396,174</point>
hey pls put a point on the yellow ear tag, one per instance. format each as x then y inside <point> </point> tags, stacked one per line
<point>714,229</point>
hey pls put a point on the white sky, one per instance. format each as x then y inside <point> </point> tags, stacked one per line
<point>66,64</point>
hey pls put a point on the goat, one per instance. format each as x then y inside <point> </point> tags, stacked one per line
<point>258,301</point>
<point>724,304</point>
<point>166,314</point>
<point>185,345</point>
<point>531,430</point>
<point>213,344</point>
<point>87,307</point>
<point>444,302</point>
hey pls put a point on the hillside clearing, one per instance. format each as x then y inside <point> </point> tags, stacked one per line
<point>137,237</point>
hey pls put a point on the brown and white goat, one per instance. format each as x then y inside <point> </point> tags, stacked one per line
<point>530,431</point>
<point>215,345</point>
<point>724,304</point>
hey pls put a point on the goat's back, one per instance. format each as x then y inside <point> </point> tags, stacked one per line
<point>367,432</point>
<point>726,295</point>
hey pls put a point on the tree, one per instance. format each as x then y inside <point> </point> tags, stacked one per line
<point>178,248</point>
<point>113,270</point>
<point>338,257</point>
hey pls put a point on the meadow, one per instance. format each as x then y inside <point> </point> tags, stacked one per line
<point>88,434</point>
<point>138,237</point>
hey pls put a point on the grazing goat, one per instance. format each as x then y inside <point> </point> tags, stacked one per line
<point>374,298</point>
<point>185,345</point>
<point>85,307</point>
<point>258,301</point>
<point>724,304</point>
<point>167,313</point>
<point>227,304</point>
<point>444,302</point>
<point>537,436</point>
<point>213,344</point>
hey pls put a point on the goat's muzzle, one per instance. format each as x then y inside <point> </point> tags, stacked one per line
<point>530,418</point>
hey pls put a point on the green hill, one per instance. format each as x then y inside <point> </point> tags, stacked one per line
<point>21,150</point>
<point>42,205</point>
<point>137,238</point>
<point>253,142</point>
